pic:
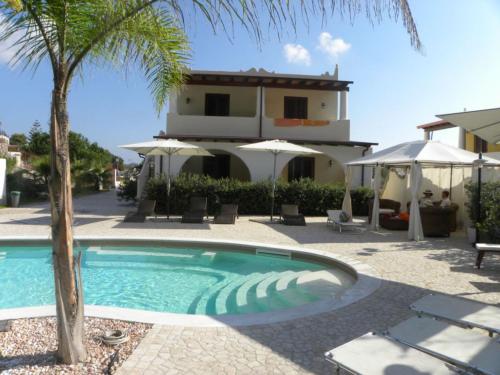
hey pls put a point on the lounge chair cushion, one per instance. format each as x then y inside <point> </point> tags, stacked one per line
<point>461,310</point>
<point>378,355</point>
<point>461,346</point>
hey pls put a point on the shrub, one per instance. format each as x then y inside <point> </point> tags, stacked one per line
<point>488,221</point>
<point>254,198</point>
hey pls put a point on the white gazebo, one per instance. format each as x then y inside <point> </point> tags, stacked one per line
<point>414,155</point>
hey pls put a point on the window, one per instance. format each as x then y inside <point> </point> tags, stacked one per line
<point>216,104</point>
<point>217,166</point>
<point>480,145</point>
<point>301,167</point>
<point>295,107</point>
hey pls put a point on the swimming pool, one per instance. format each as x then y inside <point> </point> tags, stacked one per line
<point>174,279</point>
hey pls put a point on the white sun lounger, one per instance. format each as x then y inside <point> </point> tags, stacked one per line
<point>461,311</point>
<point>465,348</point>
<point>373,354</point>
<point>334,220</point>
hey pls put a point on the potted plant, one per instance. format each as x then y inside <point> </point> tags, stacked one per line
<point>472,211</point>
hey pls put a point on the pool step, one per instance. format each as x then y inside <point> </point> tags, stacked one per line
<point>286,281</point>
<point>244,300</point>
<point>323,284</point>
<point>226,299</point>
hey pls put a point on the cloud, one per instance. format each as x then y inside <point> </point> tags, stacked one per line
<point>296,54</point>
<point>7,50</point>
<point>332,47</point>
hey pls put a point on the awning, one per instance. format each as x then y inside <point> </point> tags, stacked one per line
<point>483,123</point>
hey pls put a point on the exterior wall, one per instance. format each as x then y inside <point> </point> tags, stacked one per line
<point>326,170</point>
<point>237,167</point>
<point>275,103</point>
<point>243,100</point>
<point>260,164</point>
<point>469,144</point>
<point>244,119</point>
<point>334,131</point>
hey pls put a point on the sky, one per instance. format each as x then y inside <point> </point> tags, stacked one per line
<point>395,87</point>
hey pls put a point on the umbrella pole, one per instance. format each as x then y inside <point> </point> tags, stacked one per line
<point>168,187</point>
<point>479,182</point>
<point>274,185</point>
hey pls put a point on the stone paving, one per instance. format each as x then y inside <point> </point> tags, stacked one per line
<point>408,270</point>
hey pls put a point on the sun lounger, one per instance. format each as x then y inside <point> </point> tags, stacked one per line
<point>145,208</point>
<point>290,215</point>
<point>373,354</point>
<point>464,348</point>
<point>461,311</point>
<point>227,215</point>
<point>482,249</point>
<point>334,220</point>
<point>197,210</point>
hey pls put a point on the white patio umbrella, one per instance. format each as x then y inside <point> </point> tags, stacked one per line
<point>483,123</point>
<point>276,147</point>
<point>168,147</point>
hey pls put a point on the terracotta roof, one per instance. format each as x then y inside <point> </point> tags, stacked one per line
<point>436,125</point>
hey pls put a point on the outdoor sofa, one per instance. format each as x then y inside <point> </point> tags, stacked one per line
<point>145,208</point>
<point>197,211</point>
<point>384,204</point>
<point>290,215</point>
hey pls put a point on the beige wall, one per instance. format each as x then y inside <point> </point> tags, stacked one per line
<point>323,171</point>
<point>274,103</point>
<point>242,102</point>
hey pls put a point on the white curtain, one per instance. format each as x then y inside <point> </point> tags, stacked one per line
<point>346,203</point>
<point>415,231</point>
<point>376,198</point>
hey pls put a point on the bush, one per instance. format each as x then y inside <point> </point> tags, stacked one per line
<point>488,221</point>
<point>30,186</point>
<point>254,198</point>
<point>127,190</point>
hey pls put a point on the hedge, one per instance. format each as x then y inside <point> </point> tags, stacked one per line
<point>254,197</point>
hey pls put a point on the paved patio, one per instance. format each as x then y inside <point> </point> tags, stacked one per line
<point>408,270</point>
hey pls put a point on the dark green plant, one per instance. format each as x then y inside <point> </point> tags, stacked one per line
<point>254,198</point>
<point>488,220</point>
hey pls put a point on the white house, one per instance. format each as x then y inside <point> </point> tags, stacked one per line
<point>222,110</point>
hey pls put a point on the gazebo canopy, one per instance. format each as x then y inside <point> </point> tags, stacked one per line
<point>484,123</point>
<point>422,152</point>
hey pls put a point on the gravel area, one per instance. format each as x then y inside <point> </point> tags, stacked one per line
<point>29,347</point>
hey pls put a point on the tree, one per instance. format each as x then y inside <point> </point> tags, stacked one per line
<point>38,140</point>
<point>71,34</point>
<point>19,139</point>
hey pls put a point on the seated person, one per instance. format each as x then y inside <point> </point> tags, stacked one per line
<point>426,201</point>
<point>445,202</point>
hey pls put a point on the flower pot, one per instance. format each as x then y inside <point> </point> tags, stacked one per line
<point>471,234</point>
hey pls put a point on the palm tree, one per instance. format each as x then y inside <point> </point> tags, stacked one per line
<point>72,34</point>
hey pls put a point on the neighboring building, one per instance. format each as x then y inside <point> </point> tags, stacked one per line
<point>465,139</point>
<point>222,110</point>
<point>12,151</point>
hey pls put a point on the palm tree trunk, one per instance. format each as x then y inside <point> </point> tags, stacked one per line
<point>67,275</point>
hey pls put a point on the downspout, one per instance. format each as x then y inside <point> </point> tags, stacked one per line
<point>260,112</point>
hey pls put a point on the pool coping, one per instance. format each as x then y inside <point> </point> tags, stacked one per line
<point>367,281</point>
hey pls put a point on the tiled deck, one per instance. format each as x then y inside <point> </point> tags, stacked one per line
<point>409,270</point>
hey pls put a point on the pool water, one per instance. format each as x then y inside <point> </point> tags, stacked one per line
<point>176,280</point>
